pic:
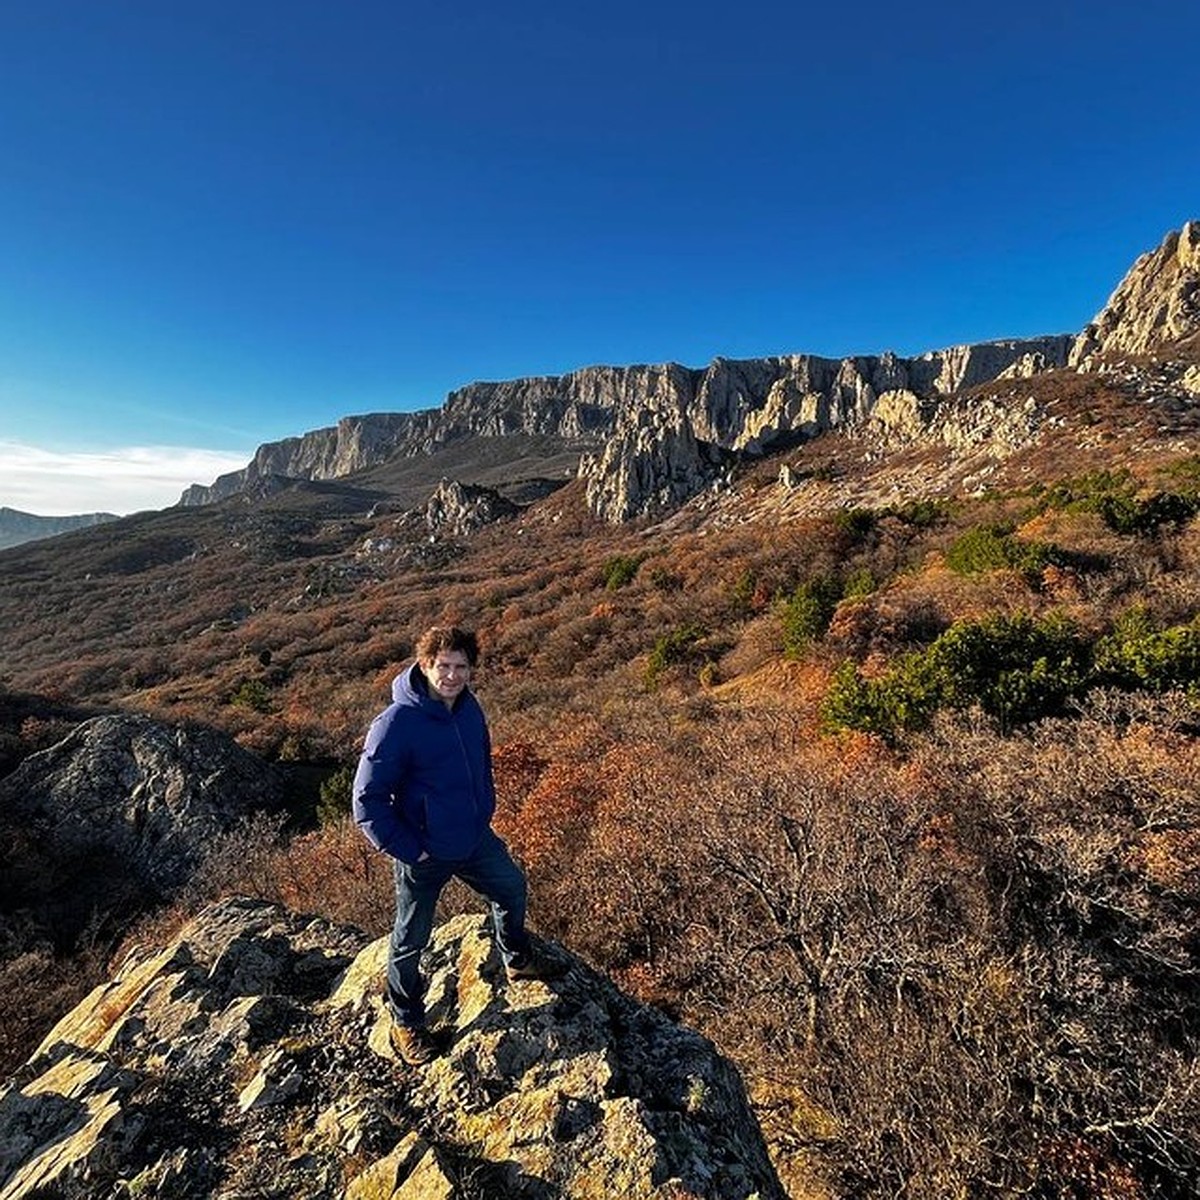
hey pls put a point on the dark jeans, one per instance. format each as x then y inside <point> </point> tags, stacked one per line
<point>491,872</point>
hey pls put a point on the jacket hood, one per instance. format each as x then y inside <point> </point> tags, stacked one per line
<point>409,687</point>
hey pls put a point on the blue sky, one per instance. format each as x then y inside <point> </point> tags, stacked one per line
<point>223,224</point>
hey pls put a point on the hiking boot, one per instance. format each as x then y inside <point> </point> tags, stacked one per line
<point>413,1044</point>
<point>535,965</point>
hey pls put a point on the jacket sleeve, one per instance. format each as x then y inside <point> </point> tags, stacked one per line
<point>379,783</point>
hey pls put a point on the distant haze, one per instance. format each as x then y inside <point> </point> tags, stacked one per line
<point>123,481</point>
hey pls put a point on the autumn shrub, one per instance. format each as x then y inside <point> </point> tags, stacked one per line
<point>947,964</point>
<point>38,986</point>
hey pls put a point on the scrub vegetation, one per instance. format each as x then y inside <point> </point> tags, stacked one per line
<point>900,806</point>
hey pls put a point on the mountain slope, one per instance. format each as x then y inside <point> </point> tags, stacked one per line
<point>18,527</point>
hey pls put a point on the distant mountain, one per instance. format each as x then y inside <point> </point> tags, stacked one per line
<point>646,439</point>
<point>17,527</point>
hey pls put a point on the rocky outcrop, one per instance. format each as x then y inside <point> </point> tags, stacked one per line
<point>149,796</point>
<point>250,1058</point>
<point>688,427</point>
<point>460,509</point>
<point>1157,303</point>
<point>649,437</point>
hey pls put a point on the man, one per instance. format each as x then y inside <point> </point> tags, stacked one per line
<point>424,795</point>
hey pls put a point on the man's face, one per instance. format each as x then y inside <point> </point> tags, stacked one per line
<point>448,673</point>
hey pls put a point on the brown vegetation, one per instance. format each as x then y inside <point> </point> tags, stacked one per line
<point>960,960</point>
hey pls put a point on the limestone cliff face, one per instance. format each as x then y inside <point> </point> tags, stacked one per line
<point>1158,302</point>
<point>650,437</point>
<point>250,1058</point>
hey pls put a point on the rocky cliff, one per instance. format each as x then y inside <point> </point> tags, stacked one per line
<point>648,437</point>
<point>249,1058</point>
<point>1157,303</point>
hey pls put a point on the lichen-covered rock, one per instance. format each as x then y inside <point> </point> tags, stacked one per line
<point>250,1058</point>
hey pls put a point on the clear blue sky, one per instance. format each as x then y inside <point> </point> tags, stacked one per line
<point>225,223</point>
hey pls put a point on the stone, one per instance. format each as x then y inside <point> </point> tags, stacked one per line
<point>1156,304</point>
<point>151,795</point>
<point>460,509</point>
<point>252,1051</point>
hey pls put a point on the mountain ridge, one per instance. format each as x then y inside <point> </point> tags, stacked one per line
<point>17,527</point>
<point>647,436</point>
<point>650,437</point>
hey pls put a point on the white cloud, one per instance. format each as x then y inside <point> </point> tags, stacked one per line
<point>53,483</point>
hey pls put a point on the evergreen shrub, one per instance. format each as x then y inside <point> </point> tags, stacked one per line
<point>1015,668</point>
<point>992,548</point>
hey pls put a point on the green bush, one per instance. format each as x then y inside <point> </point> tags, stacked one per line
<point>906,697</point>
<point>620,570</point>
<point>992,548</point>
<point>670,649</point>
<point>1087,493</point>
<point>807,612</point>
<point>253,694</point>
<point>855,522</point>
<point>1145,515</point>
<point>742,592</point>
<point>335,798</point>
<point>1114,496</point>
<point>1015,668</point>
<point>921,514</point>
<point>859,583</point>
<point>1136,657</point>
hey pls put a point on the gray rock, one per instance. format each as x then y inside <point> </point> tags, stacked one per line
<point>462,508</point>
<point>1157,303</point>
<point>250,1057</point>
<point>152,795</point>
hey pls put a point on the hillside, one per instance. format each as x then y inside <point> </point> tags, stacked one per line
<point>876,760</point>
<point>17,527</point>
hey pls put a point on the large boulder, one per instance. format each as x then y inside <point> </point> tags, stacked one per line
<point>250,1058</point>
<point>150,796</point>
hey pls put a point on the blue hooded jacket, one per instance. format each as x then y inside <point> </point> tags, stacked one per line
<point>424,780</point>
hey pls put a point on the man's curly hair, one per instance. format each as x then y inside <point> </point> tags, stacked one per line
<point>439,639</point>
